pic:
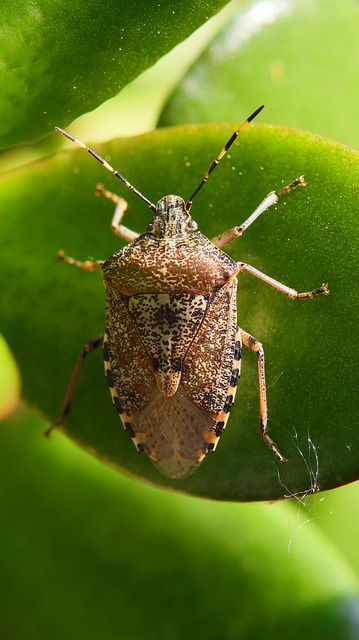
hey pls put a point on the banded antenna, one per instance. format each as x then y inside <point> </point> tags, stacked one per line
<point>136,191</point>
<point>215,162</point>
<point>108,167</point>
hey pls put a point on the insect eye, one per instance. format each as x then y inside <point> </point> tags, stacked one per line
<point>192,225</point>
<point>150,227</point>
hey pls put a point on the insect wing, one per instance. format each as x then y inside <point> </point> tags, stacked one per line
<point>172,431</point>
<point>212,366</point>
<point>177,431</point>
<point>128,367</point>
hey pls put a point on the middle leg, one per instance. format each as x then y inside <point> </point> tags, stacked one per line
<point>291,293</point>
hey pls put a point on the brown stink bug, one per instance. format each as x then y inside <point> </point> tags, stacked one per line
<point>172,346</point>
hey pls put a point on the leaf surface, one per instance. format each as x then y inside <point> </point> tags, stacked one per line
<point>61,59</point>
<point>52,309</point>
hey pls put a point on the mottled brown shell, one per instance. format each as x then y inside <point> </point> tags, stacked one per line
<point>172,346</point>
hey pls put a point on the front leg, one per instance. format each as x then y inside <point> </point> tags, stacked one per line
<point>291,293</point>
<point>271,199</point>
<point>121,205</point>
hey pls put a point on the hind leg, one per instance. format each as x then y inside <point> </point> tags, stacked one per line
<point>254,344</point>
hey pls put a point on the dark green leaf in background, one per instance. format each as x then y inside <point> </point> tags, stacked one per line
<point>61,59</point>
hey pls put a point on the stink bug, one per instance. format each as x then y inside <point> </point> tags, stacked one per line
<point>172,346</point>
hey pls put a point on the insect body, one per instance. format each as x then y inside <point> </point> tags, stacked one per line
<point>172,347</point>
<point>171,322</point>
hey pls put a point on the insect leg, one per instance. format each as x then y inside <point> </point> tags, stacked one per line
<point>88,265</point>
<point>291,293</point>
<point>272,198</point>
<point>254,344</point>
<point>121,206</point>
<point>91,345</point>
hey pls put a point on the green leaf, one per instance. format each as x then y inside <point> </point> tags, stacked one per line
<point>60,59</point>
<point>298,57</point>
<point>89,554</point>
<point>52,309</point>
<point>9,381</point>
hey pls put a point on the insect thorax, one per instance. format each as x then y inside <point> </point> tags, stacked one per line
<point>171,218</point>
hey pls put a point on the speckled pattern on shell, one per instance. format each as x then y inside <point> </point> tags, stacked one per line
<point>172,343</point>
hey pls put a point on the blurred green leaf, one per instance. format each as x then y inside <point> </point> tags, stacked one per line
<point>87,553</point>
<point>9,381</point>
<point>52,309</point>
<point>299,57</point>
<point>340,522</point>
<point>60,59</point>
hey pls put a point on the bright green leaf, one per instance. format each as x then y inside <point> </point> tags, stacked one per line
<point>299,57</point>
<point>52,309</point>
<point>61,59</point>
<point>9,381</point>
